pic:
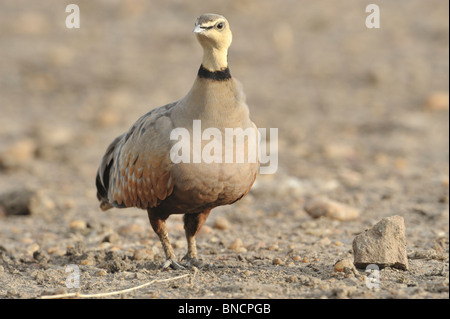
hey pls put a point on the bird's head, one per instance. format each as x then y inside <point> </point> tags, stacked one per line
<point>213,32</point>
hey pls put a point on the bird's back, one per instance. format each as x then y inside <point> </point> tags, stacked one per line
<point>135,170</point>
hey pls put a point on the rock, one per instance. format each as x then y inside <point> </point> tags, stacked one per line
<point>17,202</point>
<point>318,207</point>
<point>384,245</point>
<point>221,223</point>
<point>25,202</point>
<point>438,101</point>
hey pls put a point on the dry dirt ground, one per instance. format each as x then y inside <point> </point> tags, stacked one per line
<point>362,116</point>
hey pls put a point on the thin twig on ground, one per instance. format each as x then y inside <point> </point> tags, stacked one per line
<point>112,293</point>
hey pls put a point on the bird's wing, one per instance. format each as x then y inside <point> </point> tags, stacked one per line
<point>136,168</point>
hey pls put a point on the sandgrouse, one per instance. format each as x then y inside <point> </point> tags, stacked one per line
<point>138,170</point>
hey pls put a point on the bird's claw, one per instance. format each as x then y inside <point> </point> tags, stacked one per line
<point>173,264</point>
<point>194,262</point>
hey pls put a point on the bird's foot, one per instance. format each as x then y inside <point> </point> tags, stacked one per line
<point>173,264</point>
<point>194,262</point>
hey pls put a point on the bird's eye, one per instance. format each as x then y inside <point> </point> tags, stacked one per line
<point>220,26</point>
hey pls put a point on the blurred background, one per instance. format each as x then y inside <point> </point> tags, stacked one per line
<point>362,113</point>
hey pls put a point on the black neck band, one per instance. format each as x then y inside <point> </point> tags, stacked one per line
<point>216,75</point>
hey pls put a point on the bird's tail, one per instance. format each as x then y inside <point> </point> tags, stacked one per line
<point>103,176</point>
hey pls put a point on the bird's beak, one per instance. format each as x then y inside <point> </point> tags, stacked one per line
<point>198,29</point>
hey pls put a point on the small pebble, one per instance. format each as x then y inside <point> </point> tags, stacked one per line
<point>242,250</point>
<point>111,238</point>
<point>26,240</point>
<point>87,262</point>
<point>319,207</point>
<point>445,181</point>
<point>297,258</point>
<point>236,244</point>
<point>248,273</point>
<point>341,264</point>
<point>221,223</point>
<point>101,273</point>
<point>438,101</point>
<point>277,261</point>
<point>32,248</point>
<point>69,203</point>
<point>256,246</point>
<point>40,257</point>
<point>292,279</point>
<point>78,224</point>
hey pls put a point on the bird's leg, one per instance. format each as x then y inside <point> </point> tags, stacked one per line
<point>159,226</point>
<point>192,224</point>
